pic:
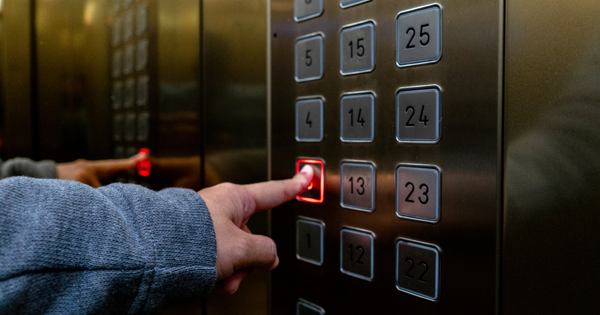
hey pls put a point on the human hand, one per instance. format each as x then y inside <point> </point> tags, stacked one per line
<point>230,207</point>
<point>91,172</point>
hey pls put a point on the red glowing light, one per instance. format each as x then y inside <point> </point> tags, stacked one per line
<point>318,180</point>
<point>144,165</point>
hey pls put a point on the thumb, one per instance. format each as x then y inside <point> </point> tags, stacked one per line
<point>260,252</point>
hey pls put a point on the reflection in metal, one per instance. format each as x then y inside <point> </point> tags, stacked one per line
<point>552,131</point>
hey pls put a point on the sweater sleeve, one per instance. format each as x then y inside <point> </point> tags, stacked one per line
<point>27,167</point>
<point>66,248</point>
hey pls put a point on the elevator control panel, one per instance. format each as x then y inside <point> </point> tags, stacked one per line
<point>365,93</point>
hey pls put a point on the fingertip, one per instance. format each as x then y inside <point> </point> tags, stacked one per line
<point>306,175</point>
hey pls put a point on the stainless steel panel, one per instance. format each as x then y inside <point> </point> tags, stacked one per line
<point>17,93</point>
<point>357,117</point>
<point>468,155</point>
<point>235,144</point>
<point>550,233</point>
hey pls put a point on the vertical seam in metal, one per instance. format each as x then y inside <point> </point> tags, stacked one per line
<point>35,121</point>
<point>269,139</point>
<point>500,149</point>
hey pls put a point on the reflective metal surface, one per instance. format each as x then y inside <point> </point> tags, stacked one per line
<point>235,131</point>
<point>18,135</point>
<point>552,171</point>
<point>467,154</point>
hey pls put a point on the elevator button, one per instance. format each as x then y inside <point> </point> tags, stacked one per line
<point>305,308</point>
<point>309,120</point>
<point>141,24</point>
<point>357,48</point>
<point>128,60</point>
<point>127,3</point>
<point>418,269</point>
<point>356,254</point>
<point>117,63</point>
<point>117,127</point>
<point>316,191</point>
<point>130,127</point>
<point>129,93</point>
<point>117,95</point>
<point>309,241</point>
<point>358,186</point>
<point>128,26</point>
<point>417,193</point>
<point>117,30</point>
<point>307,9</point>
<point>418,115</point>
<point>143,126</point>
<point>119,152</point>
<point>142,55</point>
<point>419,36</point>
<point>116,6</point>
<point>142,90</point>
<point>350,3</point>
<point>309,58</point>
<point>357,114</point>
<point>131,151</point>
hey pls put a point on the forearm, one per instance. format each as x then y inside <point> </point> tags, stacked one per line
<point>27,167</point>
<point>68,248</point>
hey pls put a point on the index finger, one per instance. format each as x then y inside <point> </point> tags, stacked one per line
<point>271,194</point>
<point>107,168</point>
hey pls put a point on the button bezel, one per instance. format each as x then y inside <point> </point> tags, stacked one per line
<point>321,226</point>
<point>426,246</point>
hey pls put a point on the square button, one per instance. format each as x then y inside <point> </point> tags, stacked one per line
<point>143,126</point>
<point>305,308</point>
<point>307,9</point>
<point>309,241</point>
<point>117,95</point>
<point>356,254</point>
<point>350,3</point>
<point>418,115</point>
<point>315,193</point>
<point>357,114</point>
<point>309,58</point>
<point>417,193</point>
<point>309,120</point>
<point>358,186</point>
<point>419,36</point>
<point>418,269</point>
<point>130,127</point>
<point>357,48</point>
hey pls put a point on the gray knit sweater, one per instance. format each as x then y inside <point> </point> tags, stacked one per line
<point>66,248</point>
<point>27,167</point>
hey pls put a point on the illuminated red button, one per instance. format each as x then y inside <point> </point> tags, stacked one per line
<point>143,166</point>
<point>315,192</point>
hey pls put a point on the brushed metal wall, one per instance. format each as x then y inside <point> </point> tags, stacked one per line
<point>552,174</point>
<point>17,75</point>
<point>468,154</point>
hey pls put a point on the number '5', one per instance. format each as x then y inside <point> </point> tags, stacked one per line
<point>308,58</point>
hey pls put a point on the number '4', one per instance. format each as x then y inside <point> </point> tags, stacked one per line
<point>359,119</point>
<point>422,118</point>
